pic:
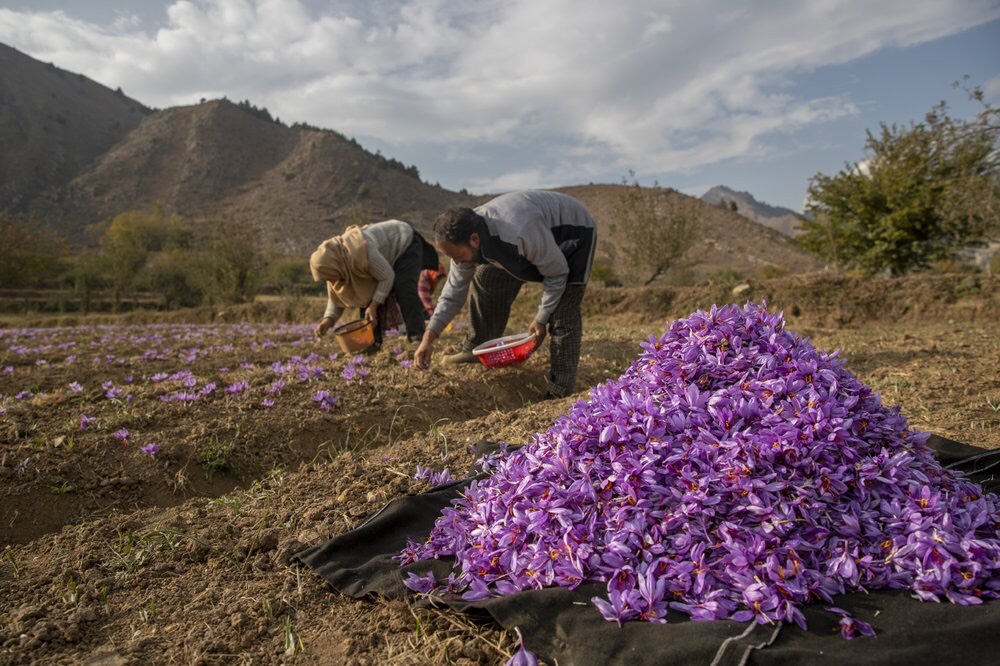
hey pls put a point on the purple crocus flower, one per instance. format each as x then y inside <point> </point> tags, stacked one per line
<point>422,584</point>
<point>121,435</point>
<point>733,471</point>
<point>432,477</point>
<point>851,627</point>
<point>523,656</point>
<point>325,400</point>
<point>151,449</point>
<point>86,421</point>
<point>75,387</point>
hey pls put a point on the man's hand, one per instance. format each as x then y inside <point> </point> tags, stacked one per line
<point>371,313</point>
<point>324,325</point>
<point>422,357</point>
<point>539,330</point>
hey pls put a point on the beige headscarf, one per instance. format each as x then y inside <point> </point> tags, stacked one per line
<point>347,255</point>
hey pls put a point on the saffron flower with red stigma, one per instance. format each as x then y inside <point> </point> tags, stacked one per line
<point>733,471</point>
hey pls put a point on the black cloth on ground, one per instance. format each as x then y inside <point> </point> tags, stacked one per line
<point>563,625</point>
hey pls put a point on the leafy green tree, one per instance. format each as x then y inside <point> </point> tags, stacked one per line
<point>128,241</point>
<point>175,275</point>
<point>29,253</point>
<point>923,192</point>
<point>290,276</point>
<point>89,276</point>
<point>233,264</point>
<point>653,231</point>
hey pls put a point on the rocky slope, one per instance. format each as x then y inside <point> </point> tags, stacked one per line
<point>53,124</point>
<point>780,219</point>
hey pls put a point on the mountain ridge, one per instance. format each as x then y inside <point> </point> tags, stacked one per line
<point>53,123</point>
<point>294,186</point>
<point>783,220</point>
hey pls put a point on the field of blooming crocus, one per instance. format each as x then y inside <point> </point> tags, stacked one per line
<point>157,477</point>
<point>95,418</point>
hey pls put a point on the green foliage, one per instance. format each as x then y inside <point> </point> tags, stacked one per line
<point>968,286</point>
<point>232,264</point>
<point>216,456</point>
<point>88,276</point>
<point>923,192</point>
<point>29,253</point>
<point>129,239</point>
<point>261,113</point>
<point>653,231</point>
<point>290,276</point>
<point>177,276</point>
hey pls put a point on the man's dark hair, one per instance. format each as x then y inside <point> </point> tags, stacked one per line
<point>455,225</point>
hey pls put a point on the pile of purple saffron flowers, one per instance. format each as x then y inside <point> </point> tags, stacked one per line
<point>733,471</point>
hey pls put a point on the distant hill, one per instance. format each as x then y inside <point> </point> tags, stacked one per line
<point>216,161</point>
<point>291,186</point>
<point>780,219</point>
<point>53,124</point>
<point>726,240</point>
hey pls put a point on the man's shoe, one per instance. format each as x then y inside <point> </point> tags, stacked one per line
<point>460,357</point>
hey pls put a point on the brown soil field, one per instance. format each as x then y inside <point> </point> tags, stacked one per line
<point>114,555</point>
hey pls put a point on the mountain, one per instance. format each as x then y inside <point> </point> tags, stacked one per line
<point>780,219</point>
<point>53,124</point>
<point>725,240</point>
<point>292,187</point>
<point>218,161</point>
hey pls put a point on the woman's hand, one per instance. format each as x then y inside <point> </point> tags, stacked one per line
<point>324,325</point>
<point>371,313</point>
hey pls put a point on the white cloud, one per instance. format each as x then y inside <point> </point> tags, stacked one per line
<point>654,86</point>
<point>991,89</point>
<point>516,180</point>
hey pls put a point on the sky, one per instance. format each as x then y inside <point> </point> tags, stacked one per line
<point>495,95</point>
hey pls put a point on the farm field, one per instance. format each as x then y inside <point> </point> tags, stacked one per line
<point>157,476</point>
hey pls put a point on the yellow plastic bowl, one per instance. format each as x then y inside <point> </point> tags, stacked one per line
<point>355,336</point>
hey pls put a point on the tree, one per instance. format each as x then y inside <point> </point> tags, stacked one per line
<point>128,241</point>
<point>89,275</point>
<point>290,275</point>
<point>174,274</point>
<point>653,231</point>
<point>29,253</point>
<point>924,192</point>
<point>233,264</point>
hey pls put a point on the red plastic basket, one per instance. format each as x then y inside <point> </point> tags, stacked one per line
<point>508,350</point>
